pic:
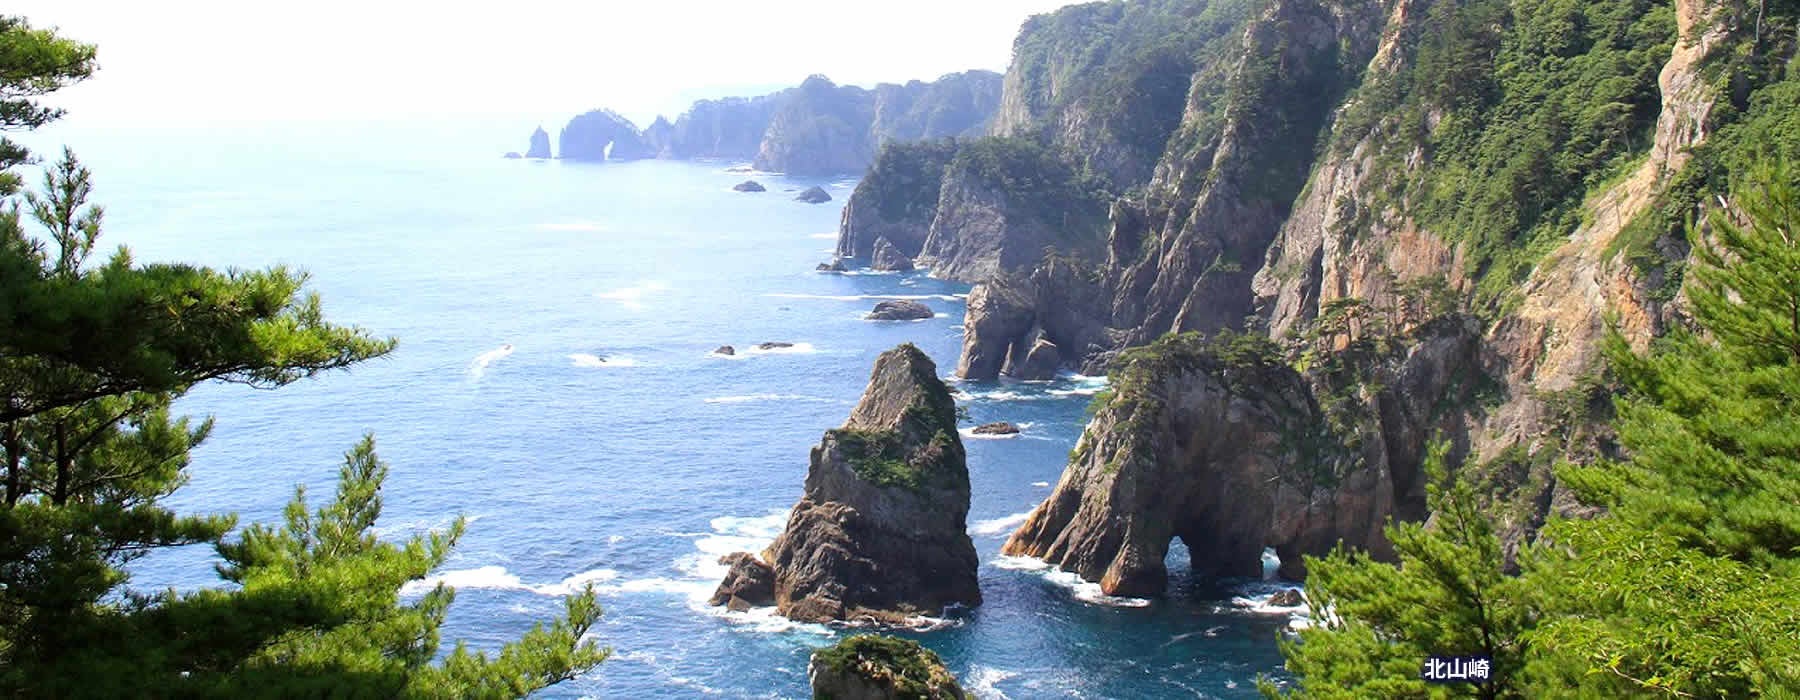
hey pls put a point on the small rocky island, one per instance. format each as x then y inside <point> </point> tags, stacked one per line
<point>880,532</point>
<point>814,195</point>
<point>878,667</point>
<point>900,310</point>
<point>749,186</point>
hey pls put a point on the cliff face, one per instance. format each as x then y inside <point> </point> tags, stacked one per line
<point>818,128</point>
<point>1430,208</point>
<point>602,135</point>
<point>879,533</point>
<point>822,128</point>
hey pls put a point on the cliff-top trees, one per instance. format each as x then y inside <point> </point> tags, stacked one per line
<point>1686,586</point>
<point>92,355</point>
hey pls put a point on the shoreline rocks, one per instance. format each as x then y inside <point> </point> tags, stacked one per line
<point>725,350</point>
<point>833,266</point>
<point>880,531</point>
<point>887,258</point>
<point>879,667</point>
<point>1001,428</point>
<point>900,310</point>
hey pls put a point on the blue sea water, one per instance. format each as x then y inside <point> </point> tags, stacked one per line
<point>555,384</point>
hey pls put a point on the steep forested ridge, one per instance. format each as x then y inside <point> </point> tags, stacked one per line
<point>1433,211</point>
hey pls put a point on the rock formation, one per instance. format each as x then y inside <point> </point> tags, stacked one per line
<point>833,266</point>
<point>540,144</point>
<point>888,258</point>
<point>1222,444</point>
<point>602,135</point>
<point>513,155</point>
<point>749,186</point>
<point>814,195</point>
<point>749,583</point>
<point>773,345</point>
<point>725,350</point>
<point>871,667</point>
<point>879,533</point>
<point>996,429</point>
<point>900,310</point>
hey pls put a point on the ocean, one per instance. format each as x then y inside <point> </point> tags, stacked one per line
<point>555,384</point>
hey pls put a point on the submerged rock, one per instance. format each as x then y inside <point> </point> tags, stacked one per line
<point>879,533</point>
<point>749,186</point>
<point>1001,428</point>
<point>1287,598</point>
<point>887,258</point>
<point>879,667</point>
<point>750,583</point>
<point>513,155</point>
<point>774,345</point>
<point>725,350</point>
<point>900,310</point>
<point>814,195</point>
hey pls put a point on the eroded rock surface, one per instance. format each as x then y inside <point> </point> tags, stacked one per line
<point>880,532</point>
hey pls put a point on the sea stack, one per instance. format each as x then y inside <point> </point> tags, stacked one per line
<point>540,144</point>
<point>879,533</point>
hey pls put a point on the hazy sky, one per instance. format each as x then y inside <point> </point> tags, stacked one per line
<point>191,61</point>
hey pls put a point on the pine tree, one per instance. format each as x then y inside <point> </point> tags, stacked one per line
<point>92,356</point>
<point>1686,586</point>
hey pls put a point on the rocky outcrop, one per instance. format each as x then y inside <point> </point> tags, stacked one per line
<point>602,135</point>
<point>871,667</point>
<point>833,266</point>
<point>896,200</point>
<point>540,144</point>
<point>888,258</point>
<point>879,533</point>
<point>984,226</point>
<point>513,155</point>
<point>1222,444</point>
<point>999,316</point>
<point>900,310</point>
<point>814,195</point>
<point>748,584</point>
<point>660,137</point>
<point>996,429</point>
<point>749,186</point>
<point>725,350</point>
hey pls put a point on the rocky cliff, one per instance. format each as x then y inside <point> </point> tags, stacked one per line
<point>879,532</point>
<point>1429,209</point>
<point>602,135</point>
<point>818,128</point>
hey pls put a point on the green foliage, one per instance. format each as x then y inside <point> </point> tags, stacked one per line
<point>1449,595</point>
<point>899,665</point>
<point>906,178</point>
<point>1037,183</point>
<point>91,359</point>
<point>1685,586</point>
<point>1127,65</point>
<point>33,62</point>
<point>1523,107</point>
<point>878,456</point>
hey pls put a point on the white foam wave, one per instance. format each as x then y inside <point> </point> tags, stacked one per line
<point>754,398</point>
<point>1041,484</point>
<point>1085,591</point>
<point>499,579</point>
<point>632,297</point>
<point>999,526</point>
<point>982,682</point>
<point>573,227</point>
<point>582,359</point>
<point>871,297</point>
<point>479,365</point>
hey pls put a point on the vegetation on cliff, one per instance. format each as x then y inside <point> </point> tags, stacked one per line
<point>1685,585</point>
<point>93,353</point>
<point>894,667</point>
